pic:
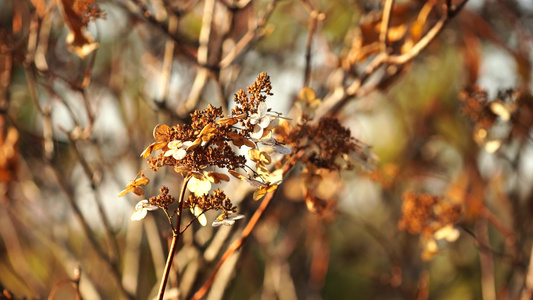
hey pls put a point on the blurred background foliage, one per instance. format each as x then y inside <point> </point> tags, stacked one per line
<point>75,115</point>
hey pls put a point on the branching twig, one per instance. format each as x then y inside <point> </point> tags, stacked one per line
<point>237,244</point>
<point>314,16</point>
<point>176,233</point>
<point>335,103</point>
<point>385,21</point>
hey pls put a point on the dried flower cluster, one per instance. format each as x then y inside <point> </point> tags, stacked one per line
<point>327,148</point>
<point>509,114</point>
<point>430,216</point>
<point>476,106</point>
<point>88,10</point>
<point>209,142</point>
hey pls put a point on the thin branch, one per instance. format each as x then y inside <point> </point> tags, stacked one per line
<point>527,292</point>
<point>148,16</point>
<point>175,238</point>
<point>89,233</point>
<point>486,259</point>
<point>253,35</point>
<point>237,244</point>
<point>385,21</point>
<point>203,59</point>
<point>336,102</point>
<point>315,15</point>
<point>99,203</point>
<point>168,58</point>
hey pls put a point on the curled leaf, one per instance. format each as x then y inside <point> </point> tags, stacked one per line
<point>79,42</point>
<point>134,187</point>
<point>216,177</point>
<point>161,133</point>
<point>238,140</point>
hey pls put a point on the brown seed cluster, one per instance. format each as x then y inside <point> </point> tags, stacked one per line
<point>329,148</point>
<point>217,201</point>
<point>332,144</point>
<point>476,107</point>
<point>216,150</point>
<point>88,10</point>
<point>163,200</point>
<point>425,213</point>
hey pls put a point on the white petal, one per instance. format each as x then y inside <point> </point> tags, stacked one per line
<point>276,176</point>
<point>202,219</point>
<point>179,154</point>
<point>228,222</point>
<point>282,150</point>
<point>255,118</point>
<point>217,223</point>
<point>139,214</point>
<point>262,109</point>
<point>265,121</point>
<point>187,144</point>
<point>141,204</point>
<point>151,207</point>
<point>274,123</point>
<point>174,144</point>
<point>258,132</point>
<point>236,217</point>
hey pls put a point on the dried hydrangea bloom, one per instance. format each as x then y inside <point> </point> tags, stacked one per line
<point>209,142</point>
<point>432,217</point>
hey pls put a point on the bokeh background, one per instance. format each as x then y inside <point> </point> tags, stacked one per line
<point>74,119</point>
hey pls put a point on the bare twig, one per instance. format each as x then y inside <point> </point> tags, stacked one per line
<point>237,244</point>
<point>88,232</point>
<point>168,58</point>
<point>335,102</point>
<point>94,179</point>
<point>176,233</point>
<point>385,21</point>
<point>314,16</point>
<point>203,59</point>
<point>527,292</point>
<point>253,35</point>
<point>486,261</point>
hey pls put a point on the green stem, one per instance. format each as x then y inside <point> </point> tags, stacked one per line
<point>175,238</point>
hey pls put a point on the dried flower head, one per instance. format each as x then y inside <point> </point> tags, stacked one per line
<point>430,216</point>
<point>208,142</point>
<point>476,106</point>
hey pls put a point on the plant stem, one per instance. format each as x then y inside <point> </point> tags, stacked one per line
<point>175,238</point>
<point>237,244</point>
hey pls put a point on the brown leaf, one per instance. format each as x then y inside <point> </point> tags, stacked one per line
<point>79,42</point>
<point>161,133</point>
